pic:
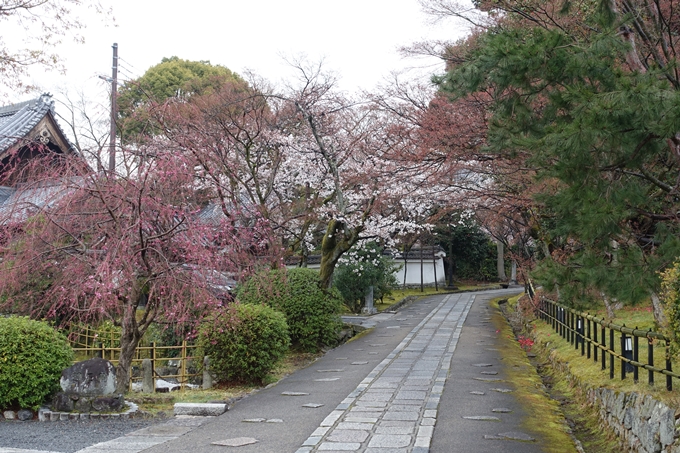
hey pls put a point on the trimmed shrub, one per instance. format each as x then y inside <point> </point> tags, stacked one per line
<point>244,342</point>
<point>32,357</point>
<point>311,312</point>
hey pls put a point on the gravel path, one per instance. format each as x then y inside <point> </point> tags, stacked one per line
<point>66,436</point>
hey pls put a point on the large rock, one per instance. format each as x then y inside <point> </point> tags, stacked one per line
<point>94,377</point>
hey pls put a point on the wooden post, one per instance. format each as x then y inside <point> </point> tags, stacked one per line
<point>183,365</point>
<point>153,364</point>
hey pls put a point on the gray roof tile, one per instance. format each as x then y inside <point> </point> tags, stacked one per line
<point>17,120</point>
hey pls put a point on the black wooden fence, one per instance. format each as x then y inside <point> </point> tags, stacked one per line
<point>588,333</point>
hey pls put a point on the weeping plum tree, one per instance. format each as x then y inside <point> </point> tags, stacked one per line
<point>87,246</point>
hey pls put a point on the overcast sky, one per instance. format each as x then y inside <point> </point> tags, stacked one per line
<point>358,39</point>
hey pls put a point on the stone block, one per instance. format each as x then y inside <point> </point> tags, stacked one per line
<point>44,415</point>
<point>92,377</point>
<point>204,409</point>
<point>667,426</point>
<point>9,415</point>
<point>108,403</point>
<point>24,415</point>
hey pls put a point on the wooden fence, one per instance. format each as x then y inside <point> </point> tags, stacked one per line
<point>588,332</point>
<point>88,342</point>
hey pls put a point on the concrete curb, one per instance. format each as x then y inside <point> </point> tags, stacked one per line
<point>200,409</point>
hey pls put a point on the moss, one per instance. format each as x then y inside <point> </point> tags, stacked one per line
<point>544,418</point>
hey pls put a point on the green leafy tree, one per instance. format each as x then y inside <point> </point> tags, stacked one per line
<point>172,78</point>
<point>364,266</point>
<point>600,128</point>
<point>470,252</point>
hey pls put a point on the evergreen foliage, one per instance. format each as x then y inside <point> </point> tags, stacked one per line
<point>597,135</point>
<point>364,266</point>
<point>469,249</point>
<point>244,342</point>
<point>172,78</point>
<point>312,313</point>
<point>32,357</point>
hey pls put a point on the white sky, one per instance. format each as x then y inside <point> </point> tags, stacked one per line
<point>358,39</point>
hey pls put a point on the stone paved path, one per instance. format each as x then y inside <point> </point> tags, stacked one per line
<point>395,406</point>
<point>424,380</point>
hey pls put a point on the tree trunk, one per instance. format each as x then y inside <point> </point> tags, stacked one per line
<point>452,267</point>
<point>659,315</point>
<point>129,339</point>
<point>608,306</point>
<point>335,243</point>
<point>500,261</point>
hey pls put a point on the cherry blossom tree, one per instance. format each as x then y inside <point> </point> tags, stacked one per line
<point>40,25</point>
<point>131,248</point>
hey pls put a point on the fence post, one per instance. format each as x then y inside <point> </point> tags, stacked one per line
<point>589,337</point>
<point>669,379</point>
<point>650,360</point>
<point>595,342</point>
<point>153,363</point>
<point>611,353</point>
<point>636,356</point>
<point>623,354</point>
<point>603,352</point>
<point>183,365</point>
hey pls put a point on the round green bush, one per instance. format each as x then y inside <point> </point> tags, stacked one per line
<point>244,342</point>
<point>312,313</point>
<point>32,357</point>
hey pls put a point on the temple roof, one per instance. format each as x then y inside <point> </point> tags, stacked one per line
<point>17,121</point>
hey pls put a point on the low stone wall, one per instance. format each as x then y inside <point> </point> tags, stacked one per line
<point>642,423</point>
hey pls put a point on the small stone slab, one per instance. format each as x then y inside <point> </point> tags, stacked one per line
<point>253,420</point>
<point>516,435</point>
<point>359,363</point>
<point>161,430</point>
<point>474,392</point>
<point>482,418</point>
<point>235,442</point>
<point>487,379</point>
<point>373,353</point>
<point>501,410</point>
<point>331,371</point>
<point>489,373</point>
<point>274,420</point>
<point>341,358</point>
<point>499,390</point>
<point>327,379</point>
<point>376,345</point>
<point>482,365</point>
<point>202,409</point>
<point>312,405</point>
<point>294,393</point>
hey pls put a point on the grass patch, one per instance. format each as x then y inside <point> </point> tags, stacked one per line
<point>161,404</point>
<point>544,418</point>
<point>569,374</point>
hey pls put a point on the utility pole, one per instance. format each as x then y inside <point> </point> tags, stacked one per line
<point>114,111</point>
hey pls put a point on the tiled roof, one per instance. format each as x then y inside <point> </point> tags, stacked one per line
<point>17,120</point>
